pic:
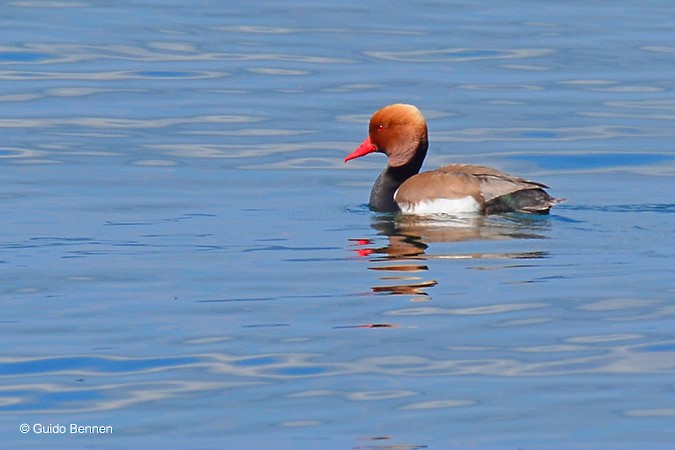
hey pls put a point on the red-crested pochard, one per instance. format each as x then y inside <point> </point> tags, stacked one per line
<point>400,132</point>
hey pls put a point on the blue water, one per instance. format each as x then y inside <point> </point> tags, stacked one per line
<point>186,259</point>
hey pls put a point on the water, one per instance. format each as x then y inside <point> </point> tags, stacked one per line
<point>186,259</point>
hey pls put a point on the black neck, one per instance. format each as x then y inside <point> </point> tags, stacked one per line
<point>382,194</point>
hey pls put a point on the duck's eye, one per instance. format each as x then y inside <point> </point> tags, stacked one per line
<point>376,127</point>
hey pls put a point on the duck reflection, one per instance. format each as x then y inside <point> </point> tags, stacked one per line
<point>402,261</point>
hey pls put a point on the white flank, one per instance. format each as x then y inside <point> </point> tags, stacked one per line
<point>458,206</point>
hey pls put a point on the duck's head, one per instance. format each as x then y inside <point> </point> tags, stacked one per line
<point>399,131</point>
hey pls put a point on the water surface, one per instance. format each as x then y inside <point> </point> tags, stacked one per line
<point>186,258</point>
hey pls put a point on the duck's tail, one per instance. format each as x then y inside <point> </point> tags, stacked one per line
<point>532,201</point>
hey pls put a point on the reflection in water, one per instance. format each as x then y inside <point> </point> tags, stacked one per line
<point>409,238</point>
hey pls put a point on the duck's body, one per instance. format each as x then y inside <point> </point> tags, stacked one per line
<point>400,132</point>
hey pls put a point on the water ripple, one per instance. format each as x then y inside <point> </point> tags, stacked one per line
<point>459,54</point>
<point>29,383</point>
<point>123,123</point>
<point>49,4</point>
<point>471,311</point>
<point>561,134</point>
<point>229,151</point>
<point>13,152</point>
<point>632,208</point>
<point>107,75</point>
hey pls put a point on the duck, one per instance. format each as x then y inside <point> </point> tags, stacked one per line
<point>400,132</point>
